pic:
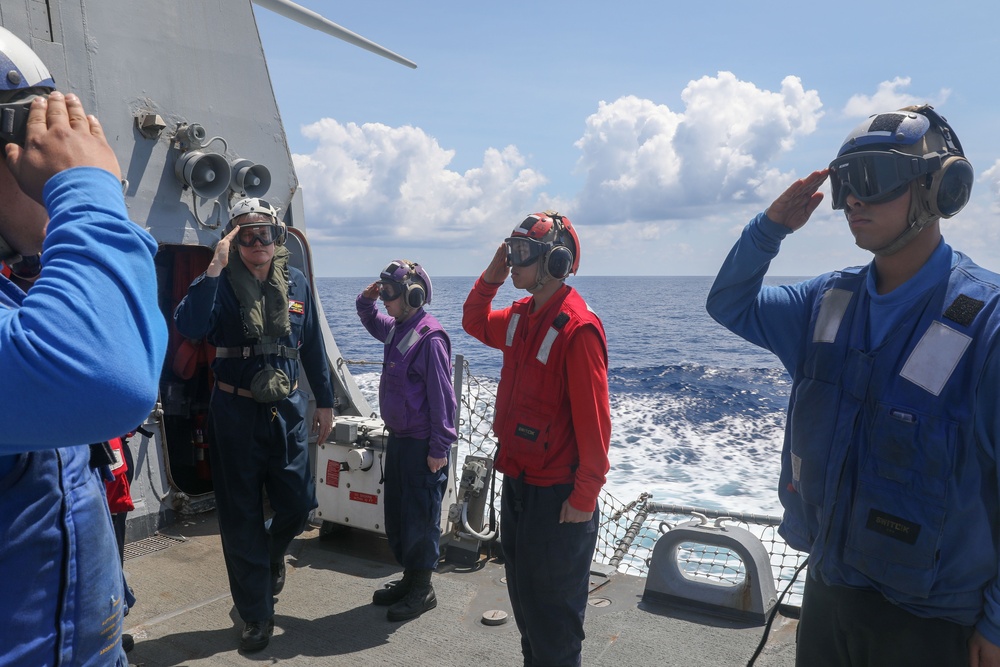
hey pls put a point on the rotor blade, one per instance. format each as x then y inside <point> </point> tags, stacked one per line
<point>313,20</point>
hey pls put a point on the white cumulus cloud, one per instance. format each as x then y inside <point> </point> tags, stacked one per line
<point>644,161</point>
<point>376,185</point>
<point>890,95</point>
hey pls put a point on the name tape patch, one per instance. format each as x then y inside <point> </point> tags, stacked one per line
<point>886,524</point>
<point>526,432</point>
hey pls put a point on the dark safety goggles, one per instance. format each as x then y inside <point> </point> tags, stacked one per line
<point>249,236</point>
<point>14,121</point>
<point>389,290</point>
<point>874,177</point>
<point>522,251</point>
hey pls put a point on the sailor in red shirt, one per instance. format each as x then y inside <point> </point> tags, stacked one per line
<point>553,424</point>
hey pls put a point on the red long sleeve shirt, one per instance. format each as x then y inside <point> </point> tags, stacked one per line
<point>582,459</point>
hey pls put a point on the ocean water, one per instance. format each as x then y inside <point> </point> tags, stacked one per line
<point>697,412</point>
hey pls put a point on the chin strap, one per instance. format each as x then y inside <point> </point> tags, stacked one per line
<point>919,217</point>
<point>541,277</point>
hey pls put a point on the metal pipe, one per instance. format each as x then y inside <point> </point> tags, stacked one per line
<point>763,519</point>
<point>311,19</point>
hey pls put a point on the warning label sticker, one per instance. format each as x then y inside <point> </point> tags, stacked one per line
<point>333,473</point>
<point>369,498</point>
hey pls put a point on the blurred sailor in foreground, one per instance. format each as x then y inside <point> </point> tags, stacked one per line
<point>81,357</point>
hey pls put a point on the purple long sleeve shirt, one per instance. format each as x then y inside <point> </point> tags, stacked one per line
<point>421,404</point>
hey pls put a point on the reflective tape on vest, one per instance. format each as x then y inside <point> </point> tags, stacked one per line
<point>546,347</point>
<point>831,313</point>
<point>512,327</point>
<point>409,341</point>
<point>935,357</point>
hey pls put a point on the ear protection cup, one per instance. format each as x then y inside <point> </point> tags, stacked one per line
<point>950,186</point>
<point>415,295</point>
<point>559,262</point>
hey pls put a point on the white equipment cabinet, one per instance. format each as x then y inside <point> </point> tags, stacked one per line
<point>349,467</point>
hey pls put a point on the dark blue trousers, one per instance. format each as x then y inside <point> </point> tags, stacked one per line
<point>848,626</point>
<point>259,446</point>
<point>412,503</point>
<point>548,571</point>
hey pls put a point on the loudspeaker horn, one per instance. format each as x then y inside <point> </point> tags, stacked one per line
<point>208,174</point>
<point>249,179</point>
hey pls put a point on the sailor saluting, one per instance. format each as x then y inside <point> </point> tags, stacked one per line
<point>84,353</point>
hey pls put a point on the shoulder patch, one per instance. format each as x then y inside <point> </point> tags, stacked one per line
<point>296,307</point>
<point>963,310</point>
<point>560,321</point>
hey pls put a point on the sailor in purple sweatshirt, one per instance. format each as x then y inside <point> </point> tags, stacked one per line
<point>418,404</point>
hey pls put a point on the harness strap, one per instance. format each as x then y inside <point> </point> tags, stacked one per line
<point>240,391</point>
<point>258,350</point>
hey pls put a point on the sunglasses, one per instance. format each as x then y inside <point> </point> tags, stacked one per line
<point>249,236</point>
<point>522,251</point>
<point>875,177</point>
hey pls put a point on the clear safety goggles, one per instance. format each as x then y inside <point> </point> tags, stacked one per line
<point>389,290</point>
<point>522,251</point>
<point>249,236</point>
<point>874,177</point>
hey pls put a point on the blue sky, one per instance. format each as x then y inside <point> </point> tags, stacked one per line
<point>659,128</point>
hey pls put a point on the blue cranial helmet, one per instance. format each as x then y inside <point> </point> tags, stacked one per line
<point>20,68</point>
<point>887,152</point>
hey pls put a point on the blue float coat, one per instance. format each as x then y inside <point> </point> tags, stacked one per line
<point>889,468</point>
<point>80,358</point>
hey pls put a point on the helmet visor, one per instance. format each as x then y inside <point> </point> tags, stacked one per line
<point>389,290</point>
<point>522,251</point>
<point>248,236</point>
<point>874,177</point>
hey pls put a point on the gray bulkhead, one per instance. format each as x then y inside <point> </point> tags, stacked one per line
<point>183,92</point>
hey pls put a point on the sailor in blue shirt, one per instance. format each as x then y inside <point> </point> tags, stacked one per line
<point>889,476</point>
<point>80,357</point>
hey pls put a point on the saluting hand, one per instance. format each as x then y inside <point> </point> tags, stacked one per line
<point>498,270</point>
<point>371,292</point>
<point>58,136</point>
<point>794,206</point>
<point>221,258</point>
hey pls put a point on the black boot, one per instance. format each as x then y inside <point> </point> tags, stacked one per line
<point>395,591</point>
<point>256,635</point>
<point>277,576</point>
<point>419,599</point>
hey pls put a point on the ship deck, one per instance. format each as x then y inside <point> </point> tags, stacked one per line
<point>324,616</point>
